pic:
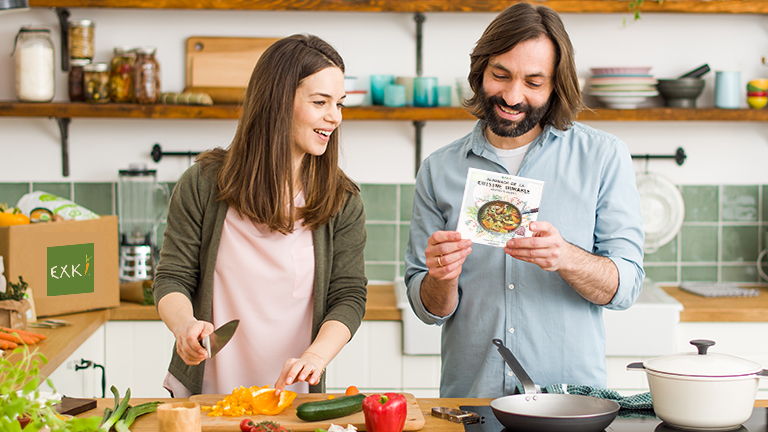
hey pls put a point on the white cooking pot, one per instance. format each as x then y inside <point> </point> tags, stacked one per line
<point>701,391</point>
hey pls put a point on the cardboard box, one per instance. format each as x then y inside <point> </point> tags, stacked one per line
<point>71,266</point>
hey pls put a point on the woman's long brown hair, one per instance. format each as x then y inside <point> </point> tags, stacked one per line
<point>519,23</point>
<point>255,174</point>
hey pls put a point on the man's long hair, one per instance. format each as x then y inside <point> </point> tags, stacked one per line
<point>519,23</point>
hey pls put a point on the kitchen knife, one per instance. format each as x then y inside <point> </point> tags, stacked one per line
<point>214,342</point>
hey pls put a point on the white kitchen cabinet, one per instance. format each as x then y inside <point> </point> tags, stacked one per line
<point>72,381</point>
<point>374,362</point>
<point>137,356</point>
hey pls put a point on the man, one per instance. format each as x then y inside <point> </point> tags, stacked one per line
<point>542,295</point>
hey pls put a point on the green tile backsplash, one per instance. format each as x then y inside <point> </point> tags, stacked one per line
<point>723,231</point>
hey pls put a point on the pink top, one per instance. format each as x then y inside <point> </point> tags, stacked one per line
<point>265,280</point>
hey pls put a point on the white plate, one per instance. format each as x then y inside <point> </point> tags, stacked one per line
<point>662,209</point>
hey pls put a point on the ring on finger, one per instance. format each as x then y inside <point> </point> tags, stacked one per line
<point>439,260</point>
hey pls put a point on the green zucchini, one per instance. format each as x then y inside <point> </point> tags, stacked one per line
<point>331,408</point>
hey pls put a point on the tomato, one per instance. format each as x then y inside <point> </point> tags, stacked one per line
<point>246,425</point>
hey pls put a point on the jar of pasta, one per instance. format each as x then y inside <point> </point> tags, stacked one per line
<point>121,75</point>
<point>76,78</point>
<point>33,58</point>
<point>146,76</point>
<point>81,39</point>
<point>96,82</point>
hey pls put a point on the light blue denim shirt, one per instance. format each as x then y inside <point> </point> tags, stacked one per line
<point>591,198</point>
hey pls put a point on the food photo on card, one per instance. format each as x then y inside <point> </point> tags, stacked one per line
<point>497,207</point>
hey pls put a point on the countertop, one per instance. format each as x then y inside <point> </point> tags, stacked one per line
<point>381,306</point>
<point>726,309</point>
<point>63,341</point>
<point>148,423</point>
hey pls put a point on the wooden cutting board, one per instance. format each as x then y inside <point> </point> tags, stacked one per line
<point>222,66</point>
<point>413,421</point>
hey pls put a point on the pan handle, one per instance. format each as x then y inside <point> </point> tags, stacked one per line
<point>528,386</point>
<point>636,366</point>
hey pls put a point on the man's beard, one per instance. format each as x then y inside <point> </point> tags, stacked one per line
<point>507,128</point>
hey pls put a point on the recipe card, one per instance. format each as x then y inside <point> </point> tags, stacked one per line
<point>497,207</point>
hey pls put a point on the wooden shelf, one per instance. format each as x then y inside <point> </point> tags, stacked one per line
<point>84,110</point>
<point>571,6</point>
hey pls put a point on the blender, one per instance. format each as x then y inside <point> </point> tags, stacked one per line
<point>142,203</point>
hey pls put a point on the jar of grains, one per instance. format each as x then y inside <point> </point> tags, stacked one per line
<point>121,75</point>
<point>96,82</point>
<point>33,58</point>
<point>146,76</point>
<point>81,39</point>
<point>76,75</point>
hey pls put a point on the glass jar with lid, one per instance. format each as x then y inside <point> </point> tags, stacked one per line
<point>76,79</point>
<point>96,82</point>
<point>121,75</point>
<point>81,39</point>
<point>33,58</point>
<point>146,76</point>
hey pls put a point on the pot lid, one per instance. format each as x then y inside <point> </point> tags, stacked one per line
<point>702,363</point>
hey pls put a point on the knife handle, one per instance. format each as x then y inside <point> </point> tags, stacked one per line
<point>206,343</point>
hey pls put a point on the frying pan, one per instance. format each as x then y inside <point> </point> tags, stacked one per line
<point>549,412</point>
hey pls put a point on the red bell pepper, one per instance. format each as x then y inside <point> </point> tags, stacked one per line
<point>385,412</point>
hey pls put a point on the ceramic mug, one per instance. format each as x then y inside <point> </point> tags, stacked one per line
<point>425,91</point>
<point>407,82</point>
<point>394,95</point>
<point>727,89</point>
<point>378,83</point>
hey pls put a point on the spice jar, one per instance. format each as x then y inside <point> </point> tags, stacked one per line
<point>96,82</point>
<point>33,57</point>
<point>121,75</point>
<point>76,78</point>
<point>81,39</point>
<point>146,76</point>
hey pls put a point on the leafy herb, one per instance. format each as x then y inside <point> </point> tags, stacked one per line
<point>15,291</point>
<point>20,398</point>
<point>635,5</point>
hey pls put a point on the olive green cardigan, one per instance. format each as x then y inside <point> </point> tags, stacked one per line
<point>191,242</point>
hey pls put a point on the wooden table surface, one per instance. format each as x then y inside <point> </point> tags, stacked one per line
<point>148,423</point>
<point>697,308</point>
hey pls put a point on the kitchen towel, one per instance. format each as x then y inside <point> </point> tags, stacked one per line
<point>640,401</point>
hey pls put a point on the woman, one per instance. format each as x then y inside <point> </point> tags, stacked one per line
<point>270,232</point>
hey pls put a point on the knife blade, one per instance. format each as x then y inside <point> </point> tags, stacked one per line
<point>214,342</point>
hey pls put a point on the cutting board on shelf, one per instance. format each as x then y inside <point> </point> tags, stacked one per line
<point>222,66</point>
<point>413,421</point>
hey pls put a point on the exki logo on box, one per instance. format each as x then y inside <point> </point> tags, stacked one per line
<point>70,269</point>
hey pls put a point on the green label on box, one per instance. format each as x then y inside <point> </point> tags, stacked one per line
<point>70,269</point>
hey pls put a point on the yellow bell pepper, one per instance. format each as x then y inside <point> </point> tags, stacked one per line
<point>8,219</point>
<point>252,401</point>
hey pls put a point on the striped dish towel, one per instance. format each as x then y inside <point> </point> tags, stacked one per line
<point>640,401</point>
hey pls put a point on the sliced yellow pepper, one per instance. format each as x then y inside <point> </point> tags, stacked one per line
<point>252,401</point>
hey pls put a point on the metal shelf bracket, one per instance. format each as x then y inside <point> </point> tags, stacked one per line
<point>63,123</point>
<point>63,14</point>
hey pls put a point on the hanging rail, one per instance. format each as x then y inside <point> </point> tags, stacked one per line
<point>679,156</point>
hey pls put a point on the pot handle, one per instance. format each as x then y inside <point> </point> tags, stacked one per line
<point>636,366</point>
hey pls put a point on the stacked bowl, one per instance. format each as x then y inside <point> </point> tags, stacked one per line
<point>622,87</point>
<point>757,93</point>
<point>680,92</point>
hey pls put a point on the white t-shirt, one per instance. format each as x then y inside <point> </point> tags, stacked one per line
<point>511,159</point>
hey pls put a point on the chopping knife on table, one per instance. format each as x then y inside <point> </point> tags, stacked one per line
<point>269,232</point>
